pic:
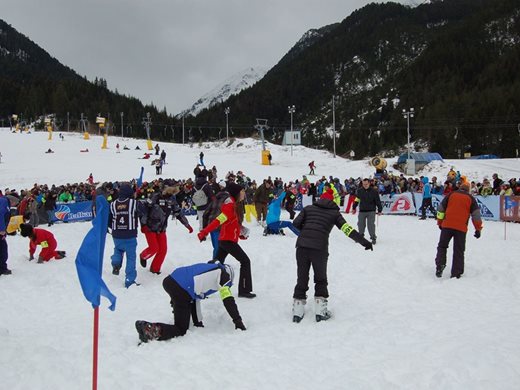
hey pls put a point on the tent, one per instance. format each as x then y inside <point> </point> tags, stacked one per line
<point>421,160</point>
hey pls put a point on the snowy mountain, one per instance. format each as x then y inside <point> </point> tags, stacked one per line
<point>222,92</point>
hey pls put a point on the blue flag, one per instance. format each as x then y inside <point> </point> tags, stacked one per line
<point>89,261</point>
<point>140,178</point>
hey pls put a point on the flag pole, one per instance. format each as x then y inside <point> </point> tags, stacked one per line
<point>95,349</point>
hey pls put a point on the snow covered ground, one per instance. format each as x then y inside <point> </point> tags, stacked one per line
<point>395,325</point>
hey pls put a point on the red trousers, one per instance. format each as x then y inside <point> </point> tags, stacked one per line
<point>157,245</point>
<point>351,199</point>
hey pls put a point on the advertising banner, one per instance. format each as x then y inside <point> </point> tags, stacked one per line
<point>73,212</point>
<point>398,203</point>
<point>510,208</point>
<point>489,205</point>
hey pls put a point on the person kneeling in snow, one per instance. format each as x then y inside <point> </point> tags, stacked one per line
<point>274,225</point>
<point>186,286</point>
<point>44,238</point>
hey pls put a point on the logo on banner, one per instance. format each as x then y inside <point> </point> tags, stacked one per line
<point>485,212</point>
<point>402,203</point>
<point>62,212</point>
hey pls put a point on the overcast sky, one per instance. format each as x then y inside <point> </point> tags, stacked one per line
<point>170,52</point>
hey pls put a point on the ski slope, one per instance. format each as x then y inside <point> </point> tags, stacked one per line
<point>395,325</point>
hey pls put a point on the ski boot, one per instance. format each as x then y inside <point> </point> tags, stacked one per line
<point>115,270</point>
<point>438,271</point>
<point>322,313</point>
<point>298,310</point>
<point>281,232</point>
<point>373,241</point>
<point>60,255</point>
<point>142,262</point>
<point>147,331</point>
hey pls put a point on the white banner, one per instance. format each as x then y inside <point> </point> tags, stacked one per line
<point>489,205</point>
<point>398,204</point>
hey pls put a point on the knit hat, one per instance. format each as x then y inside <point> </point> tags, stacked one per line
<point>234,189</point>
<point>26,229</point>
<point>328,194</point>
<point>125,191</point>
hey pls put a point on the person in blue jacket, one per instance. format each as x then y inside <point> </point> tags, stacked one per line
<point>274,225</point>
<point>427,199</point>
<point>186,286</point>
<point>5,216</point>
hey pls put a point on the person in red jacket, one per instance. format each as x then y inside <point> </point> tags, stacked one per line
<point>45,239</point>
<point>453,215</point>
<point>231,230</point>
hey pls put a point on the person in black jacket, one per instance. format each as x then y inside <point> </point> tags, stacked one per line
<point>315,223</point>
<point>154,223</point>
<point>367,198</point>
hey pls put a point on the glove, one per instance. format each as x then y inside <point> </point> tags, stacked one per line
<point>31,257</point>
<point>477,234</point>
<point>198,324</point>
<point>244,233</point>
<point>239,325</point>
<point>368,245</point>
<point>202,236</point>
<point>190,229</point>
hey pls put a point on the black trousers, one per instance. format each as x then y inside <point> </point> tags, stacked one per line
<point>182,306</point>
<point>305,257</point>
<point>3,254</point>
<point>426,204</point>
<point>290,209</point>
<point>245,282</point>
<point>459,246</point>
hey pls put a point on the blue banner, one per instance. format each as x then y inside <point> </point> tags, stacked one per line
<point>72,212</point>
<point>489,205</point>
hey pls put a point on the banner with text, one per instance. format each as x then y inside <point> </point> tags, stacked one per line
<point>398,203</point>
<point>73,212</point>
<point>489,205</point>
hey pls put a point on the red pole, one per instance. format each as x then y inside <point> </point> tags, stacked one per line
<point>95,349</point>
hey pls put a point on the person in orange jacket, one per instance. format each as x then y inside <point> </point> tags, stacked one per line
<point>453,215</point>
<point>45,239</point>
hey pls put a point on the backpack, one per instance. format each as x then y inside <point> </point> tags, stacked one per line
<point>154,218</point>
<point>200,198</point>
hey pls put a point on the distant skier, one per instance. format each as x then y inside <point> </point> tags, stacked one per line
<point>117,148</point>
<point>187,286</point>
<point>157,149</point>
<point>427,199</point>
<point>201,158</point>
<point>311,167</point>
<point>270,158</point>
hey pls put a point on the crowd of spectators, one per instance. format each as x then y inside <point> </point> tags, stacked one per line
<point>27,202</point>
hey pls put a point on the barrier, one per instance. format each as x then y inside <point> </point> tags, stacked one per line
<point>398,204</point>
<point>510,208</point>
<point>489,205</point>
<point>72,212</point>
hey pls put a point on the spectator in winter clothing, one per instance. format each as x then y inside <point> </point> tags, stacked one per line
<point>231,230</point>
<point>5,215</point>
<point>452,217</point>
<point>290,201</point>
<point>124,213</point>
<point>315,223</point>
<point>427,199</point>
<point>154,223</point>
<point>367,198</point>
<point>262,197</point>
<point>497,183</point>
<point>187,286</point>
<point>50,205</point>
<point>45,239</point>
<point>202,197</point>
